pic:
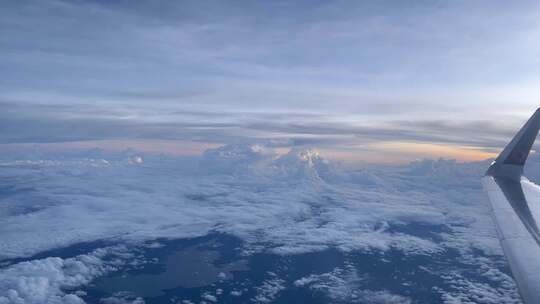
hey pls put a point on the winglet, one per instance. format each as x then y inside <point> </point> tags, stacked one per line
<point>510,162</point>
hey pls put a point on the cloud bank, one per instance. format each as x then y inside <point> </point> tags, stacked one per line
<point>280,204</point>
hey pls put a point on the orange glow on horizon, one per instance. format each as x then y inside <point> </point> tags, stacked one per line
<point>462,153</point>
<point>381,152</point>
<point>404,152</point>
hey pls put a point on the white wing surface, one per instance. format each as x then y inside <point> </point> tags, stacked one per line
<point>515,208</point>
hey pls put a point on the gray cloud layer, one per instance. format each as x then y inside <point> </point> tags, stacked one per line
<point>344,72</point>
<point>52,123</point>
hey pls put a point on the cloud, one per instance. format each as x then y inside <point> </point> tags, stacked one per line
<point>344,285</point>
<point>463,290</point>
<point>386,75</point>
<point>116,199</point>
<point>43,123</point>
<point>45,280</point>
<point>277,74</point>
<point>278,204</point>
<point>122,298</point>
<point>269,290</point>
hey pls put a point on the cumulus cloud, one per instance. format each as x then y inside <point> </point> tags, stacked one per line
<point>464,290</point>
<point>282,204</point>
<point>119,200</point>
<point>122,298</point>
<point>46,280</point>
<point>345,285</point>
<point>269,289</point>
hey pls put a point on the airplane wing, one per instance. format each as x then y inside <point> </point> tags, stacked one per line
<point>515,208</point>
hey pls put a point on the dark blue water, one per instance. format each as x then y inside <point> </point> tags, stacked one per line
<point>187,269</point>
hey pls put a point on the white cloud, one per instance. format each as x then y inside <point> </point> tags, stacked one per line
<point>122,298</point>
<point>269,289</point>
<point>464,290</point>
<point>210,297</point>
<point>287,198</point>
<point>292,204</point>
<point>344,285</point>
<point>45,280</point>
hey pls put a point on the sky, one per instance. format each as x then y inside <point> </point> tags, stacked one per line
<point>373,81</point>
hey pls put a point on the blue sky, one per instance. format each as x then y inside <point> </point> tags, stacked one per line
<point>380,80</point>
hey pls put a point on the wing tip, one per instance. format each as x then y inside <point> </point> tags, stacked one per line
<point>511,160</point>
